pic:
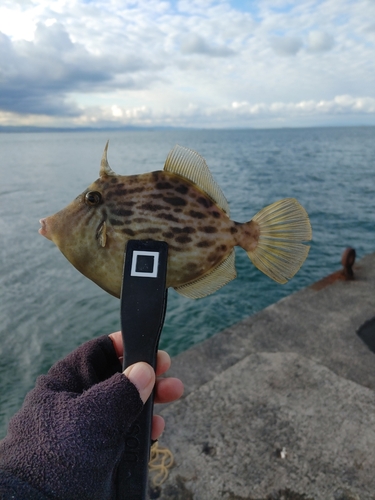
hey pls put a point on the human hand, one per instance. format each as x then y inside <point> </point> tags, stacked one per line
<point>68,438</point>
<point>143,377</point>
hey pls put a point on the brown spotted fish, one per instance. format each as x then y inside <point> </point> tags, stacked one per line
<point>183,206</point>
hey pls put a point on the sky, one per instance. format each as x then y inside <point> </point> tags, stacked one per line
<point>187,63</point>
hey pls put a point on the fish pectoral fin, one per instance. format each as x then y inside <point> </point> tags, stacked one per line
<point>192,166</point>
<point>280,251</point>
<point>101,234</point>
<point>209,283</point>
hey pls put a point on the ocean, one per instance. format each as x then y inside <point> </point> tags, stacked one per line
<point>48,308</point>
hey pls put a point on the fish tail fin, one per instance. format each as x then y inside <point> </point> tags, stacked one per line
<point>280,229</point>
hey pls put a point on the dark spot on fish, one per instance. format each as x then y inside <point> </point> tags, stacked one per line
<point>114,180</point>
<point>164,185</point>
<point>122,212</point>
<point>175,201</point>
<point>233,230</point>
<point>152,208</point>
<point>132,180</point>
<point>169,217</point>
<point>191,266</point>
<point>183,239</point>
<point>205,202</point>
<point>155,175</point>
<point>116,192</point>
<point>139,220</point>
<point>126,203</point>
<point>168,235</point>
<point>222,248</point>
<point>205,244</point>
<point>215,214</point>
<point>156,195</point>
<point>149,230</point>
<point>186,230</point>
<point>177,210</point>
<point>116,222</point>
<point>182,189</point>
<point>209,229</point>
<point>136,190</point>
<point>197,215</point>
<point>175,248</point>
<point>212,257</point>
<point>129,232</point>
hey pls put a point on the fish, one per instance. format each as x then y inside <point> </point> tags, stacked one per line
<point>185,207</point>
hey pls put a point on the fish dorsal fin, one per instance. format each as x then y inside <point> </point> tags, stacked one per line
<point>218,277</point>
<point>192,166</point>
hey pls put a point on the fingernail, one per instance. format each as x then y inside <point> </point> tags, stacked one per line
<point>143,377</point>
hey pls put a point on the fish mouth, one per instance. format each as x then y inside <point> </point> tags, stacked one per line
<point>44,229</point>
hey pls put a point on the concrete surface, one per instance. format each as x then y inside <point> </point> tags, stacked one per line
<point>282,405</point>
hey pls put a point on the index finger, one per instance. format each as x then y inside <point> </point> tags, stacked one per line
<point>163,361</point>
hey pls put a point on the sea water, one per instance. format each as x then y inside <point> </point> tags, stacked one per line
<point>47,308</point>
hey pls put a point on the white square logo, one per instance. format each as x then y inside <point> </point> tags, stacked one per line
<point>144,264</point>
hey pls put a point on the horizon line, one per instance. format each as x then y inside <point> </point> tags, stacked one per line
<point>39,129</point>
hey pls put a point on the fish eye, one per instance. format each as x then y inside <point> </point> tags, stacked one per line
<point>93,198</point>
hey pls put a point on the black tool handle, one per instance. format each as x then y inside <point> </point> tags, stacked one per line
<point>143,305</point>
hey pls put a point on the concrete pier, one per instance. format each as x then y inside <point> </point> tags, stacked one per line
<point>280,406</point>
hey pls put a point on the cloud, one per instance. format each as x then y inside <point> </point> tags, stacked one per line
<point>244,113</point>
<point>38,76</point>
<point>196,44</point>
<point>338,105</point>
<point>287,45</point>
<point>184,63</point>
<point>319,41</point>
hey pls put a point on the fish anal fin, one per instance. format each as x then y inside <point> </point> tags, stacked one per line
<point>209,283</point>
<point>189,164</point>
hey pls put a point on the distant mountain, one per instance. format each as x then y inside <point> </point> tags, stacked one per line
<point>30,128</point>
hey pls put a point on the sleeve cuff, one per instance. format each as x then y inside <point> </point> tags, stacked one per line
<point>13,488</point>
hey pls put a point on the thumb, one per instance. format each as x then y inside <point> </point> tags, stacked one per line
<point>143,377</point>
